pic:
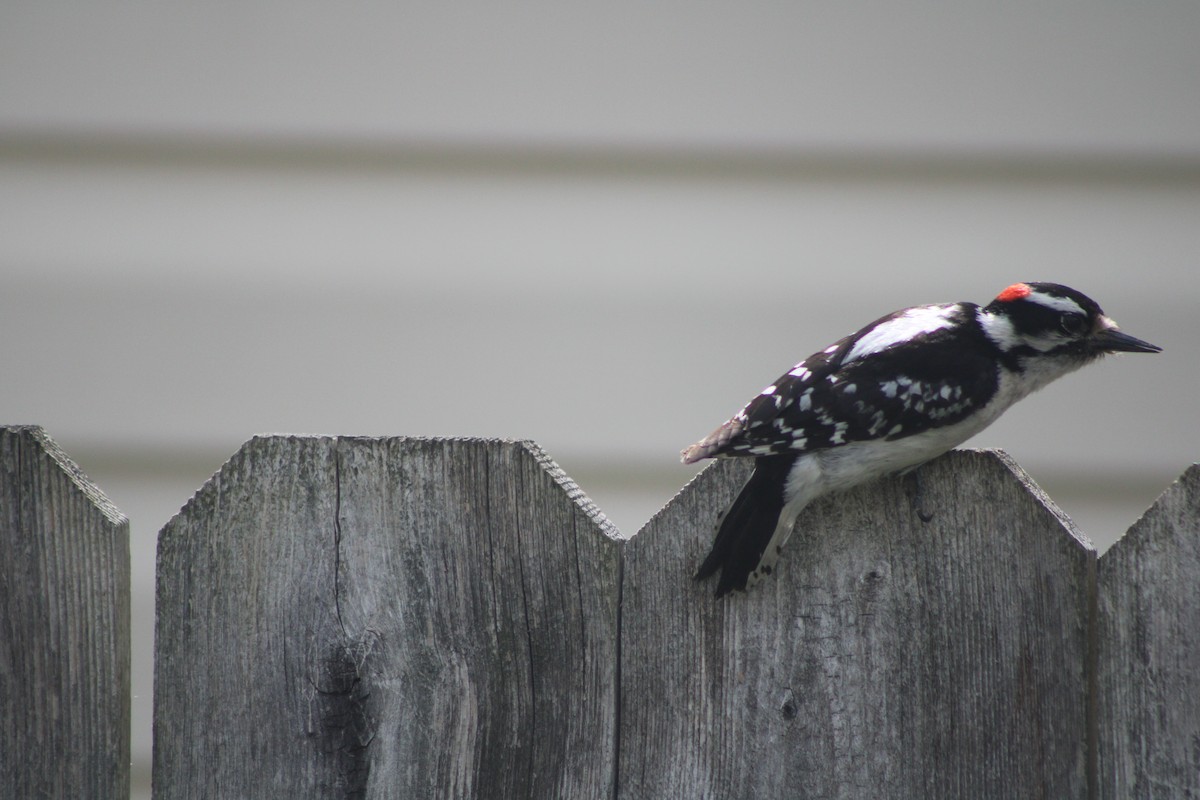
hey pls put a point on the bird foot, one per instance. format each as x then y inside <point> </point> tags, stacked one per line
<point>916,495</point>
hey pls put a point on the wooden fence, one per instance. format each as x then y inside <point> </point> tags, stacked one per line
<point>354,617</point>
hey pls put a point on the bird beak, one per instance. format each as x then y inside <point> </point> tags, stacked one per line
<point>1110,339</point>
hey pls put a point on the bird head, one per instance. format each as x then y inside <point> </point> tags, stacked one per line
<point>1049,320</point>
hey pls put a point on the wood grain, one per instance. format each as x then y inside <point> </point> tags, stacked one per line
<point>1148,676</point>
<point>355,617</point>
<point>387,618</point>
<point>887,657</point>
<point>64,627</point>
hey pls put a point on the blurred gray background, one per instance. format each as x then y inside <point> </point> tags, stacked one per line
<point>600,226</point>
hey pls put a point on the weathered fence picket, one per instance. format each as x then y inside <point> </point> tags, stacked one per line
<point>64,627</point>
<point>394,617</point>
<point>887,657</point>
<point>386,618</point>
<point>1148,676</point>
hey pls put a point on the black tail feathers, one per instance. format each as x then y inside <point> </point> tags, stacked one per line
<point>747,527</point>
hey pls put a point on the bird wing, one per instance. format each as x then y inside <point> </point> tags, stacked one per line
<point>837,396</point>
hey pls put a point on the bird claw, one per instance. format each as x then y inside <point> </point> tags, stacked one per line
<point>917,496</point>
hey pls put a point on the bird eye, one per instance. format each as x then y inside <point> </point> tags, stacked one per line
<point>1072,324</point>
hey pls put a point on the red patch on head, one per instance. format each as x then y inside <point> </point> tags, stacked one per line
<point>1018,291</point>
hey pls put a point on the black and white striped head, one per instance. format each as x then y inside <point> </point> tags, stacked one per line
<point>1032,320</point>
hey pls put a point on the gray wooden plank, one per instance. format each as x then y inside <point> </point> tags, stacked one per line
<point>245,626</point>
<point>1148,675</point>
<point>481,588</point>
<point>64,627</point>
<point>887,657</point>
<point>386,618</point>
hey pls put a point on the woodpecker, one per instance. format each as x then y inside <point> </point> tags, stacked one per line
<point>902,390</point>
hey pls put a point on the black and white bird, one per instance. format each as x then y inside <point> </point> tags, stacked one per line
<point>904,389</point>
